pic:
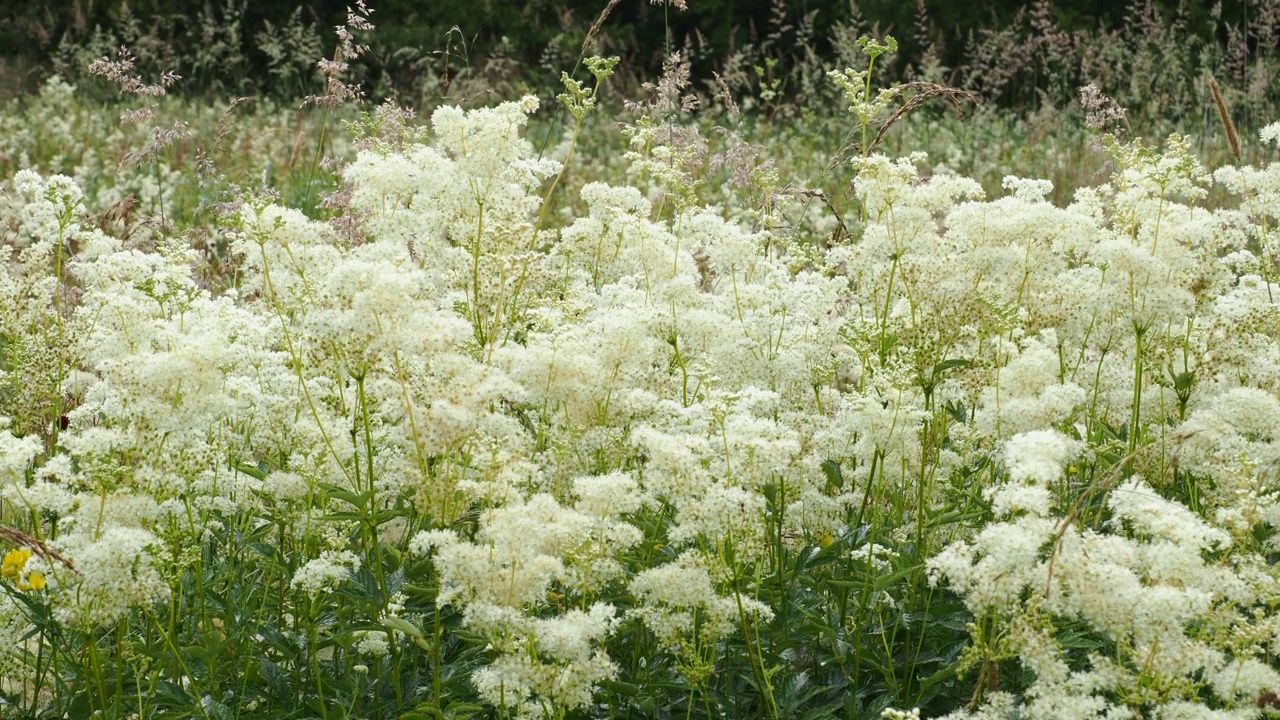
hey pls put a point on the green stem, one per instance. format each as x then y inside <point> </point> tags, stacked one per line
<point>167,635</point>
<point>270,292</point>
<point>1136,411</point>
<point>753,646</point>
<point>315,670</point>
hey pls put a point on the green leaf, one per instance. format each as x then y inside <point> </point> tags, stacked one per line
<point>166,689</point>
<point>358,500</point>
<point>395,580</point>
<point>462,710</point>
<point>6,343</point>
<point>344,517</point>
<point>946,365</point>
<point>274,677</point>
<point>622,688</point>
<point>251,470</point>
<point>79,706</point>
<point>835,477</point>
<point>266,550</point>
<point>217,710</point>
<point>945,673</point>
<point>402,625</point>
<point>1183,381</point>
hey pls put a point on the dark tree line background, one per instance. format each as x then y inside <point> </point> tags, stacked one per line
<point>225,36</point>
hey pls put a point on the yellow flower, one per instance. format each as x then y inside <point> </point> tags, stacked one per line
<point>14,562</point>
<point>12,567</point>
<point>34,581</point>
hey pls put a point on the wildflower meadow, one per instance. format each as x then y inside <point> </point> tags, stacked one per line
<point>549,406</point>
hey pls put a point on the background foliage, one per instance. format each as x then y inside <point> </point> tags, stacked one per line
<point>243,47</point>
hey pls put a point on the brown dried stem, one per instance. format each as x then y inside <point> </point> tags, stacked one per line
<point>599,24</point>
<point>17,538</point>
<point>1232,138</point>
<point>925,91</point>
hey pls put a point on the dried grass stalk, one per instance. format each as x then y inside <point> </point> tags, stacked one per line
<point>1232,138</point>
<point>17,538</point>
<point>598,24</point>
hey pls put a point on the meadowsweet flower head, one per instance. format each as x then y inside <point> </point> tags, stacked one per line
<point>1038,457</point>
<point>1270,133</point>
<point>1136,505</point>
<point>373,642</point>
<point>679,601</point>
<point>116,571</point>
<point>324,573</point>
<point>15,454</point>
<point>543,664</point>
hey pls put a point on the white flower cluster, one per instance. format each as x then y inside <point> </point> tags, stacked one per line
<point>115,572</point>
<point>530,556</point>
<point>526,391</point>
<point>681,606</point>
<point>1152,586</point>
<point>560,668</point>
<point>326,572</point>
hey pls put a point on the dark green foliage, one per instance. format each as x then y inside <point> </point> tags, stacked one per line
<point>225,47</point>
